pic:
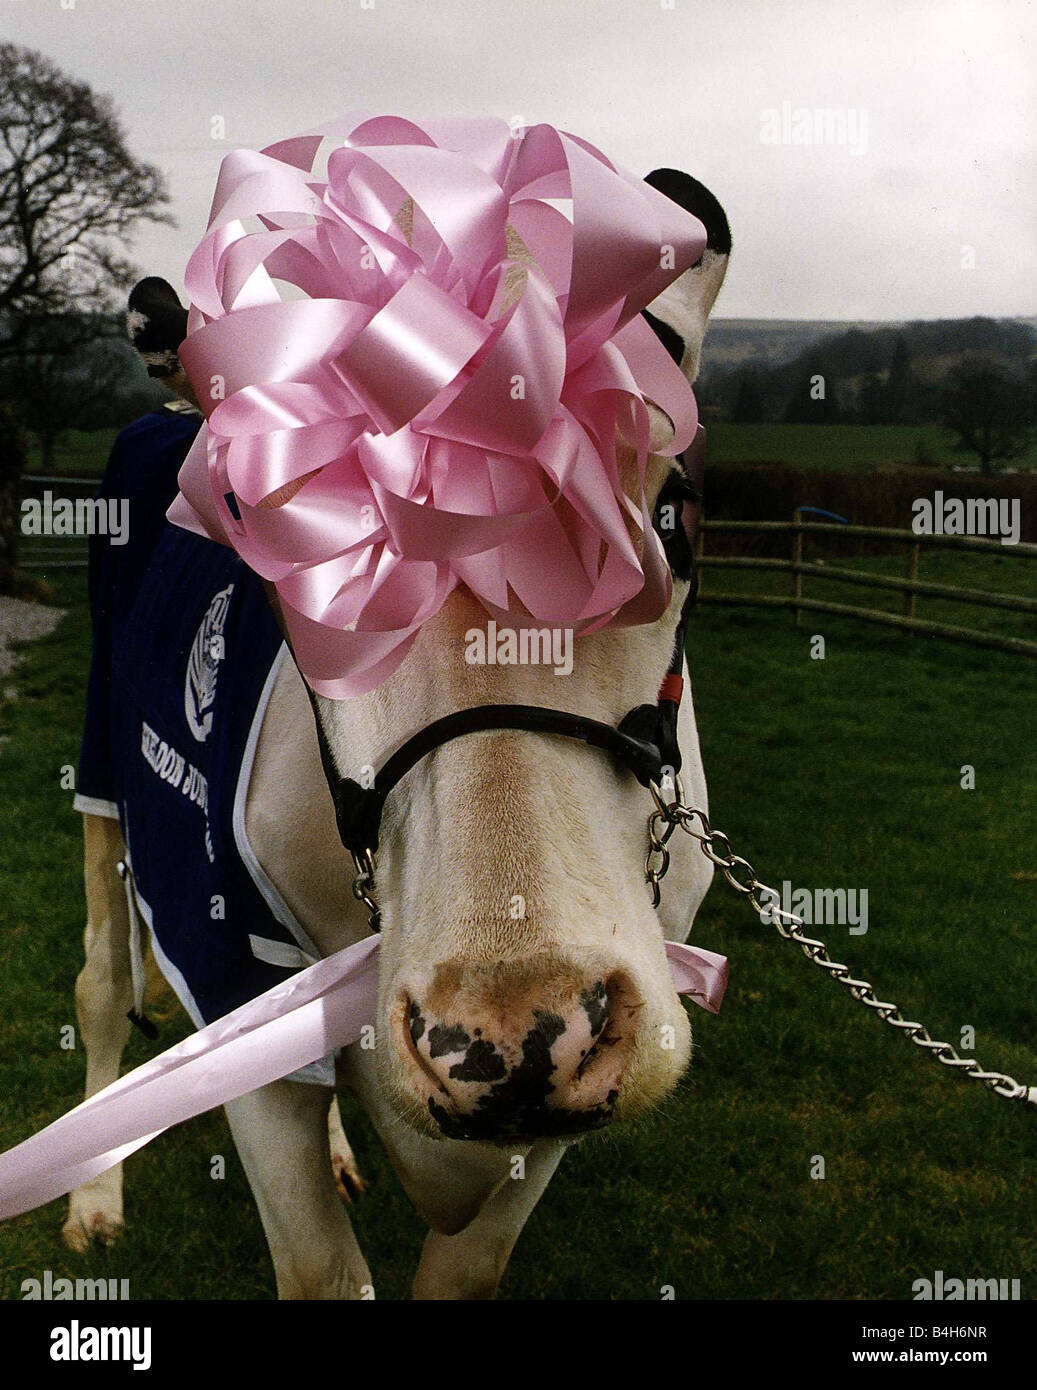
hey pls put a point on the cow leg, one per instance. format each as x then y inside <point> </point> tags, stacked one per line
<point>348,1182</point>
<point>281,1134</point>
<point>104,995</point>
<point>471,1264</point>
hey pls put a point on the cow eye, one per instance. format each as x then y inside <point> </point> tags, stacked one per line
<point>669,337</point>
<point>668,520</point>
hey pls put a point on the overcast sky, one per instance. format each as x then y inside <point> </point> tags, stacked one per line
<point>937,96</point>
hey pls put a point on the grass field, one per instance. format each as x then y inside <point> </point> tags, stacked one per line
<point>80,454</point>
<point>841,772</point>
<point>842,447</point>
<point>83,454</point>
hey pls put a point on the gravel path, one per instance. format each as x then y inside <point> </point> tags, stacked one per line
<point>23,621</point>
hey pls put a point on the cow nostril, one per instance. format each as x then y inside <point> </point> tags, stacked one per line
<point>599,1016</point>
<point>410,1028</point>
<point>612,1009</point>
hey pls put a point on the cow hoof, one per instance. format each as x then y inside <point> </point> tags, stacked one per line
<point>349,1185</point>
<point>86,1227</point>
<point>348,1182</point>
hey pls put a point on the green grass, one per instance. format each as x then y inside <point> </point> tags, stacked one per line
<point>864,447</point>
<point>842,447</point>
<point>79,454</point>
<point>842,772</point>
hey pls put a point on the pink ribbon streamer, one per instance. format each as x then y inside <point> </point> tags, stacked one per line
<point>319,1009</point>
<point>442,407</point>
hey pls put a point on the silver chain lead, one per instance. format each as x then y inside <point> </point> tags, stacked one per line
<point>741,875</point>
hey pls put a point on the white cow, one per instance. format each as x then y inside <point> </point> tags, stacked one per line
<point>482,821</point>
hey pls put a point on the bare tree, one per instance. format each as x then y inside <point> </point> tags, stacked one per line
<point>71,194</point>
<point>57,388</point>
<point>12,461</point>
<point>989,410</point>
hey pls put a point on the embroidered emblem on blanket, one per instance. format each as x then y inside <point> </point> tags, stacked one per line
<point>207,651</point>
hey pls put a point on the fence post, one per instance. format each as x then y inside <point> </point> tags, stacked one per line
<point>797,559</point>
<point>912,575</point>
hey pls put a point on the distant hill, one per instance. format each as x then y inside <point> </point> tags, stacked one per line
<point>770,342</point>
<point>820,371</point>
<point>766,343</point>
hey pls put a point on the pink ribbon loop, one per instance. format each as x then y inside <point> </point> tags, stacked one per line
<point>447,391</point>
<point>323,1007</point>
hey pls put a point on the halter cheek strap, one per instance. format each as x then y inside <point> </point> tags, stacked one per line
<point>657,724</point>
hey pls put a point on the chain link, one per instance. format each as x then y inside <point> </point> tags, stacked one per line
<point>741,875</point>
<point>363,888</point>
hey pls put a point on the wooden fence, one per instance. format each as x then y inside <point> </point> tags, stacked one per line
<point>54,552</point>
<point>63,553</point>
<point>910,586</point>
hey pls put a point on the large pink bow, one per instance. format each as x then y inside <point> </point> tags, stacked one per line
<point>442,407</point>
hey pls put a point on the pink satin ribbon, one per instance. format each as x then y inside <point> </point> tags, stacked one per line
<point>442,407</point>
<point>319,1009</point>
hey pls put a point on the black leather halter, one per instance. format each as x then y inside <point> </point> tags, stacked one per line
<point>644,742</point>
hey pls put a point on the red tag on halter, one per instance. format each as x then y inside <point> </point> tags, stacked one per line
<point>672,688</point>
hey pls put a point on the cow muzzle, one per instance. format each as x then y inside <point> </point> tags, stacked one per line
<point>499,1052</point>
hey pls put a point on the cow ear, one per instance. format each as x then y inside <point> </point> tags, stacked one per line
<point>679,314</point>
<point>157,324</point>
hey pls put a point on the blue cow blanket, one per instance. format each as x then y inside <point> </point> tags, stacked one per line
<point>185,654</point>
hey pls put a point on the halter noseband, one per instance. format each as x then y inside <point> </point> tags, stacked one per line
<point>645,740</point>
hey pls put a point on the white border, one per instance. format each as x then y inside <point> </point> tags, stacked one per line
<point>169,970</point>
<point>322,1071</point>
<point>277,905</point>
<point>94,806</point>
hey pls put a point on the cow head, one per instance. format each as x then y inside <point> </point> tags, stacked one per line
<point>157,323</point>
<point>524,987</point>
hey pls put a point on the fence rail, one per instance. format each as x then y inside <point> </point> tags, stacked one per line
<point>879,533</point>
<point>910,586</point>
<point>953,592</point>
<point>52,553</point>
